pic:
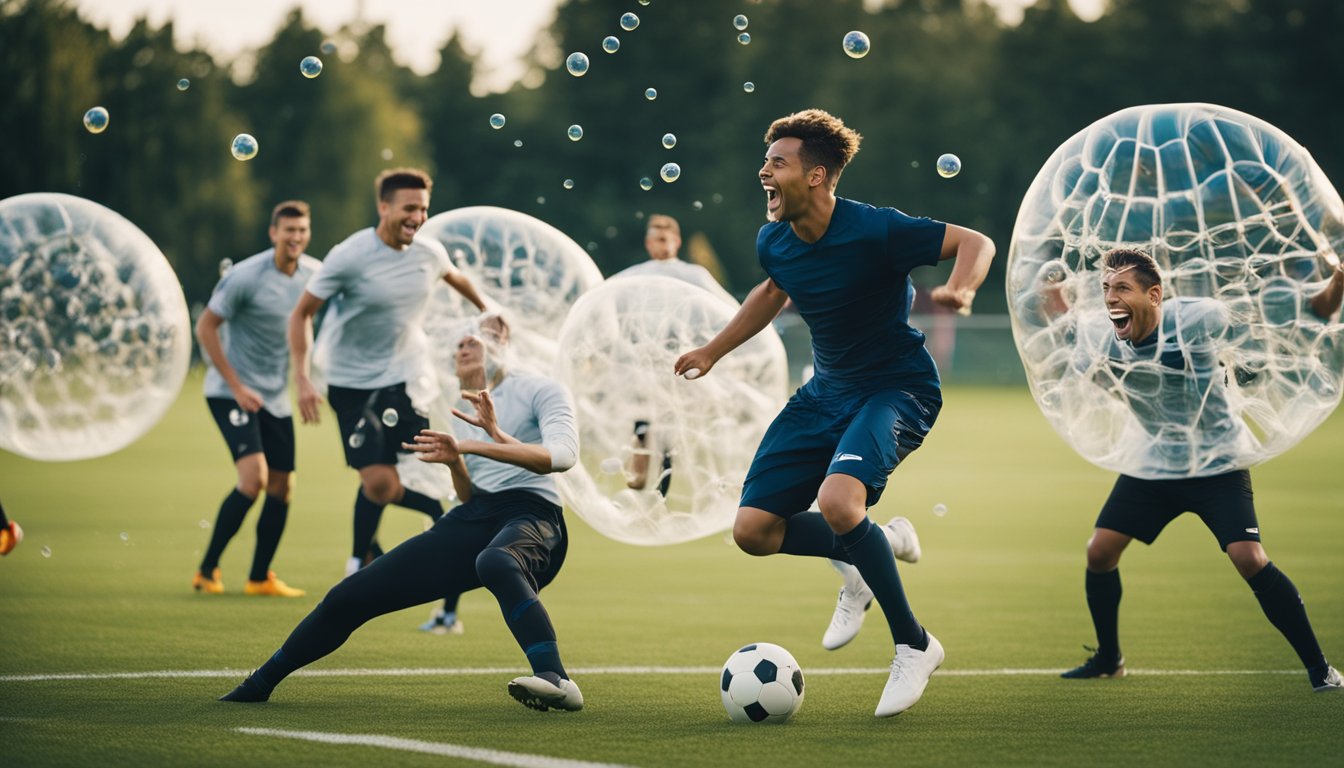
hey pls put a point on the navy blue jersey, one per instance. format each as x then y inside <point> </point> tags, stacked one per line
<point>853,289</point>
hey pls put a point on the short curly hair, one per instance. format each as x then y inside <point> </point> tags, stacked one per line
<point>827,141</point>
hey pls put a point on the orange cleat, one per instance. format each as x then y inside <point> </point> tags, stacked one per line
<point>272,587</point>
<point>10,536</point>
<point>210,586</point>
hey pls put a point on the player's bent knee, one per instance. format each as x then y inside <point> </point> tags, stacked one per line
<point>754,541</point>
<point>1102,558</point>
<point>1248,557</point>
<point>495,565</point>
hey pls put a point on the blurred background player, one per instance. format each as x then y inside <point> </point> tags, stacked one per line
<point>662,240</point>
<point>507,534</point>
<point>875,392</point>
<point>379,281</point>
<point>10,533</point>
<point>1185,336</point>
<point>247,389</point>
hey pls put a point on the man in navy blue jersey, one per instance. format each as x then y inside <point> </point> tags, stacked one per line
<point>875,392</point>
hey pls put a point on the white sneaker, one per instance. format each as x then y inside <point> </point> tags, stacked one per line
<point>855,598</point>
<point>438,624</point>
<point>352,565</point>
<point>910,672</point>
<point>903,539</point>
<point>547,691</point>
<point>1333,682</point>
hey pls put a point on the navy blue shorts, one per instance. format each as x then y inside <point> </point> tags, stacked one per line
<point>1142,508</point>
<point>811,438</point>
<point>374,423</point>
<point>260,432</point>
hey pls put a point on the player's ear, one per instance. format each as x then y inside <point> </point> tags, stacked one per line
<point>817,176</point>
<point>1155,294</point>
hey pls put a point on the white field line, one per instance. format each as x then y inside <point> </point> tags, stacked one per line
<point>492,756</point>
<point>580,671</point>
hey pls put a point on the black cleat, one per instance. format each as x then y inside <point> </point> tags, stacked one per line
<point>248,692</point>
<point>1097,666</point>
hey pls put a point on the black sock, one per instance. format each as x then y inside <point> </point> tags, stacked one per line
<point>808,534</point>
<point>1103,601</point>
<point>367,516</point>
<point>665,477</point>
<point>1283,607</point>
<point>523,612</point>
<point>421,503</point>
<point>870,552</point>
<point>227,523</point>
<point>271,523</point>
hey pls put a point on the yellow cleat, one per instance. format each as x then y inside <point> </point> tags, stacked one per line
<point>271,586</point>
<point>210,586</point>
<point>10,536</point>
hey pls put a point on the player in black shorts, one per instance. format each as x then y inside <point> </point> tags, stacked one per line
<point>1192,391</point>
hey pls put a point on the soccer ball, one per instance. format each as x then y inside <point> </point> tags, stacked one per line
<point>761,683</point>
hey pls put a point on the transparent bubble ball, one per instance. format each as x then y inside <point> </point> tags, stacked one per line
<point>1245,229</point>
<point>650,93</point>
<point>749,86</point>
<point>939,510</point>
<point>575,132</point>
<point>645,183</point>
<point>125,536</point>
<point>568,184</point>
<point>629,21</point>
<point>96,119</point>
<point>95,337</point>
<point>577,64</point>
<point>670,172</point>
<point>856,44</point>
<point>46,551</point>
<point>611,44</point>
<point>497,121</point>
<point>618,346</point>
<point>697,205</point>
<point>948,165</point>
<point>310,67</point>
<point>518,143</point>
<point>390,417</point>
<point>244,147</point>
<point>183,84</point>
<point>328,48</point>
<point>740,21</point>
<point>744,38</point>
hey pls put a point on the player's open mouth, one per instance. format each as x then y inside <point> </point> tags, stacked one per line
<point>1120,319</point>
<point>771,198</point>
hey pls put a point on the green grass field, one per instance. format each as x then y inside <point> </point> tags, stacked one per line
<point>1000,584</point>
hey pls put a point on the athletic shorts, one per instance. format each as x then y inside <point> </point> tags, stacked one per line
<point>533,528</point>
<point>374,423</point>
<point>1142,508</point>
<point>809,440</point>
<point>248,433</point>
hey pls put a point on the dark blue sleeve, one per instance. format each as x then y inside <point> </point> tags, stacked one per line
<point>913,242</point>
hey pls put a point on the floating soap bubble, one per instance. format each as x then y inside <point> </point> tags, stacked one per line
<point>497,121</point>
<point>568,184</point>
<point>1245,229</point>
<point>575,132</point>
<point>205,524</point>
<point>948,165</point>
<point>629,21</point>
<point>518,143</point>
<point>390,417</point>
<point>669,141</point>
<point>94,330</point>
<point>310,67</point>
<point>939,510</point>
<point>125,536</point>
<point>650,93</point>
<point>183,84</point>
<point>670,172</point>
<point>386,154</point>
<point>618,346</point>
<point>643,2</point>
<point>740,21</point>
<point>744,38</point>
<point>697,205</point>
<point>95,120</point>
<point>645,183</point>
<point>749,86</point>
<point>244,147</point>
<point>611,44</point>
<point>577,64</point>
<point>541,200</point>
<point>46,551</point>
<point>856,45</point>
<point>328,48</point>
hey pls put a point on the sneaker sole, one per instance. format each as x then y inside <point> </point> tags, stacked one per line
<point>532,699</point>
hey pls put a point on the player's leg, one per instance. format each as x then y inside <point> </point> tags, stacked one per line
<point>242,433</point>
<point>363,447</point>
<point>395,430</point>
<point>424,568</point>
<point>638,476</point>
<point>277,437</point>
<point>1227,507</point>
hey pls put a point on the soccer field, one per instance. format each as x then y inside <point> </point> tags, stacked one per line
<point>108,657</point>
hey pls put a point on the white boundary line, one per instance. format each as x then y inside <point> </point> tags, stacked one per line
<point>578,671</point>
<point>492,756</point>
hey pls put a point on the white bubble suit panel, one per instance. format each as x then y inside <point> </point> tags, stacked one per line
<point>617,351</point>
<point>1234,211</point>
<point>95,340</point>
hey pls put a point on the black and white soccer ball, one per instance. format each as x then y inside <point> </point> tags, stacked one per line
<point>761,683</point>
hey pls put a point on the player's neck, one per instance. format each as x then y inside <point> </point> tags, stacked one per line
<point>288,266</point>
<point>812,225</point>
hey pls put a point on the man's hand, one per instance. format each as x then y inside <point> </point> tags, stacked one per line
<point>694,364</point>
<point>960,300</point>
<point>309,400</point>
<point>485,412</point>
<point>434,447</point>
<point>247,398</point>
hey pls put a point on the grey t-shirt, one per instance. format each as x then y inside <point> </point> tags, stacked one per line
<point>372,334</point>
<point>255,299</point>
<point>680,270</point>
<point>533,409</point>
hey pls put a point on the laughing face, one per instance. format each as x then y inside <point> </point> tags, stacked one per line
<point>290,236</point>
<point>402,216</point>
<point>785,180</point>
<point>1134,310</point>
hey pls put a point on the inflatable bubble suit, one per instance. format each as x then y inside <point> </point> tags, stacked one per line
<point>1245,230</point>
<point>95,339</point>
<point>617,350</point>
